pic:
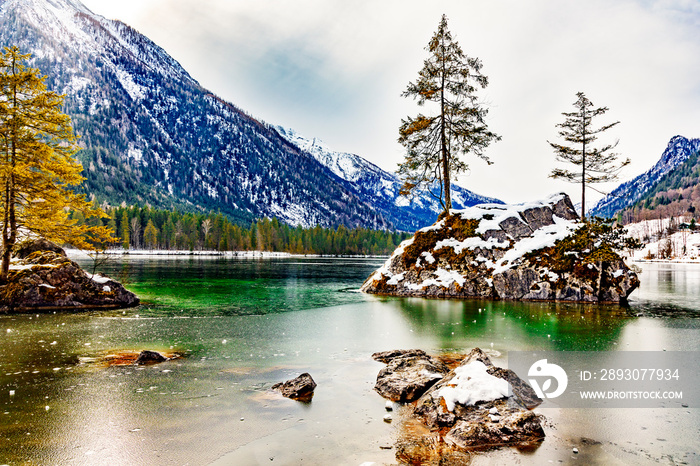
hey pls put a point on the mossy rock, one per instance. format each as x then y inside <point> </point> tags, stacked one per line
<point>28,247</point>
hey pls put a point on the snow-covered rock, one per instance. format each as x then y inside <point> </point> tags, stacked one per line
<point>506,252</point>
<point>474,405</point>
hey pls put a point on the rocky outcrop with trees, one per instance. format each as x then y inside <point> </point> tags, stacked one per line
<point>41,277</point>
<point>536,251</point>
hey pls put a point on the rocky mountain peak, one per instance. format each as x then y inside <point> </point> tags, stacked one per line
<point>678,150</point>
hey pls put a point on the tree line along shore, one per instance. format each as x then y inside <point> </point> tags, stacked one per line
<point>156,229</point>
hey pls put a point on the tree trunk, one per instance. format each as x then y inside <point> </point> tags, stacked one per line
<point>443,144</point>
<point>6,254</point>
<point>583,186</point>
<point>583,170</point>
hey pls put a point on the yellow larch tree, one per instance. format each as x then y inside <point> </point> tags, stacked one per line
<point>37,167</point>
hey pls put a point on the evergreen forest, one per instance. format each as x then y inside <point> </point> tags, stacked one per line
<point>158,229</point>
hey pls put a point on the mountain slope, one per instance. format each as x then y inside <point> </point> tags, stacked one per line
<point>676,194</point>
<point>151,134</point>
<point>380,187</point>
<point>679,149</point>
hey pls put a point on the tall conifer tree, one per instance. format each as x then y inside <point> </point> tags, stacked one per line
<point>37,168</point>
<point>595,164</point>
<point>150,235</point>
<point>126,239</point>
<point>449,79</point>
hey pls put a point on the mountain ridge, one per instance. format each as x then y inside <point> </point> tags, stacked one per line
<point>677,151</point>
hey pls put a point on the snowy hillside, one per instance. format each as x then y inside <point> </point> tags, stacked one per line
<point>664,240</point>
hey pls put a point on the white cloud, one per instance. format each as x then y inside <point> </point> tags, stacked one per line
<point>335,70</point>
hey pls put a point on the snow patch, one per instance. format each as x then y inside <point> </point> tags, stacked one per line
<point>541,238</point>
<point>136,154</point>
<point>443,278</point>
<point>470,243</point>
<point>97,278</point>
<point>77,84</point>
<point>136,92</point>
<point>472,384</point>
<point>30,266</point>
<point>396,279</point>
<point>430,375</point>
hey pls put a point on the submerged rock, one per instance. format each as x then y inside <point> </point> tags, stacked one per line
<point>476,405</point>
<point>123,357</point>
<point>300,388</point>
<point>529,252</point>
<point>149,357</point>
<point>44,278</point>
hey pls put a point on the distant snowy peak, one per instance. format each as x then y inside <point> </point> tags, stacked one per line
<point>678,150</point>
<point>56,7</point>
<point>347,166</point>
<point>381,186</point>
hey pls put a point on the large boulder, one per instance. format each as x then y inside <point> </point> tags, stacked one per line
<point>44,278</point>
<point>475,406</point>
<point>532,252</point>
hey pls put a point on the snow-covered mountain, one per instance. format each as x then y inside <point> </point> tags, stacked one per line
<point>679,149</point>
<point>151,134</point>
<point>382,187</point>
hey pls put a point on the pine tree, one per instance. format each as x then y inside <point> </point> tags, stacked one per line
<point>126,243</point>
<point>150,235</point>
<point>596,165</point>
<point>449,78</point>
<point>37,168</point>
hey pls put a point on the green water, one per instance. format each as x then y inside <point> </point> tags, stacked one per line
<point>227,287</point>
<point>247,324</point>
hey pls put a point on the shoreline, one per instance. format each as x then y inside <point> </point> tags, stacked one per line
<point>162,253</point>
<point>666,261</point>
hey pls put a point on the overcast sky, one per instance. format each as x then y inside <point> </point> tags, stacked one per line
<point>335,69</point>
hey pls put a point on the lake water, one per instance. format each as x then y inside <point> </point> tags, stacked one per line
<point>244,325</point>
